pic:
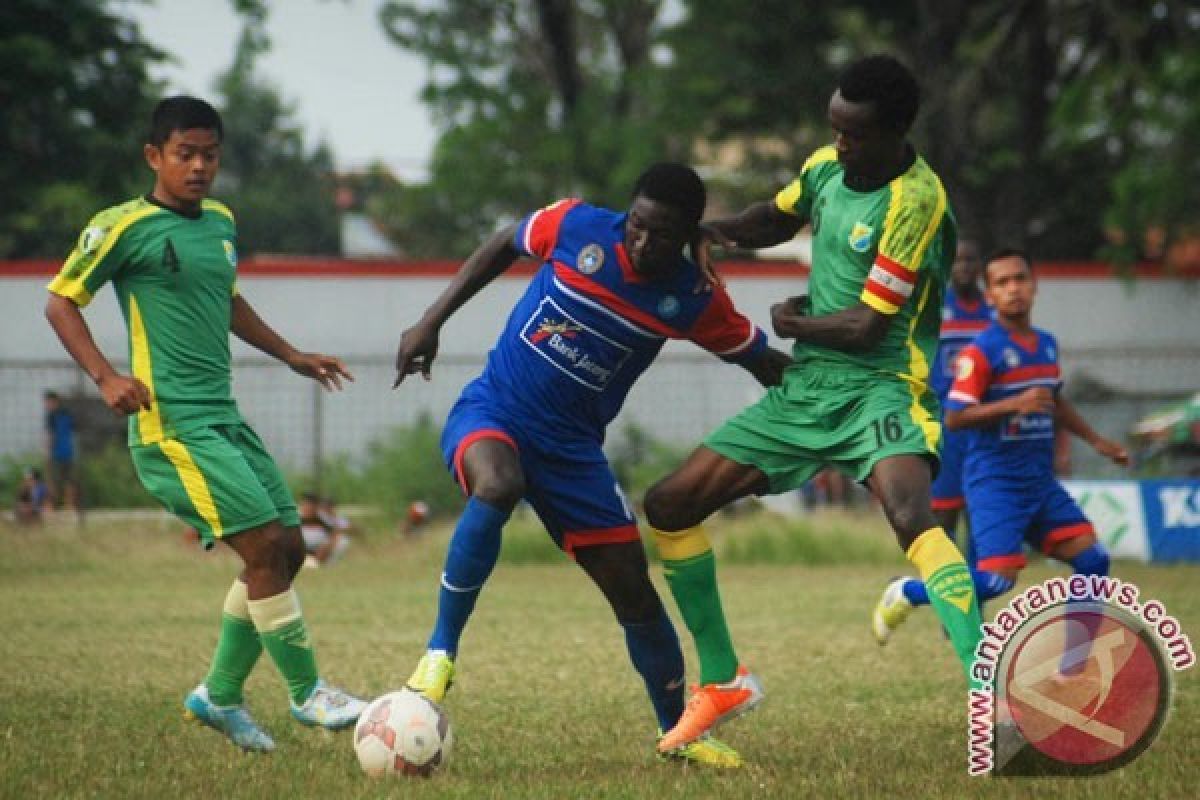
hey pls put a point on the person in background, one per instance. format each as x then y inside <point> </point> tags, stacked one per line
<point>63,484</point>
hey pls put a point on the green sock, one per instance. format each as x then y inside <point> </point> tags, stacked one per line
<point>951,592</point>
<point>238,649</point>
<point>691,571</point>
<point>280,624</point>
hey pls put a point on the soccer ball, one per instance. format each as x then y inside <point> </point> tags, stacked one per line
<point>402,733</point>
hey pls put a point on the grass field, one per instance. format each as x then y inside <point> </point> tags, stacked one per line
<point>106,629</point>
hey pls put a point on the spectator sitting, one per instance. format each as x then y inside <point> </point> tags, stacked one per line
<point>325,532</point>
<point>31,497</point>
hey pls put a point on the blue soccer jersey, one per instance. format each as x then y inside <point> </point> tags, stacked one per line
<point>588,325</point>
<point>962,321</point>
<point>576,341</point>
<point>1008,473</point>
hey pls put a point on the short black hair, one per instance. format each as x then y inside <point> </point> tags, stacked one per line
<point>310,497</point>
<point>673,184</point>
<point>1007,251</point>
<point>50,394</point>
<point>182,113</point>
<point>887,84</point>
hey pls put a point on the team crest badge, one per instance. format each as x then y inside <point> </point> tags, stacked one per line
<point>860,237</point>
<point>91,239</point>
<point>591,259</point>
<point>230,253</point>
<point>1011,359</point>
<point>668,306</point>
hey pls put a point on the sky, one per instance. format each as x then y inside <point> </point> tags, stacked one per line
<point>329,58</point>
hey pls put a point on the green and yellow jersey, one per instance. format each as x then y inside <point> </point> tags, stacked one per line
<point>174,276</point>
<point>890,248</point>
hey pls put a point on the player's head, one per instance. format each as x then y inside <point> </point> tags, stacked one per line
<point>1009,282</point>
<point>668,204</point>
<point>309,500</point>
<point>51,399</point>
<point>964,273</point>
<point>871,111</point>
<point>183,148</point>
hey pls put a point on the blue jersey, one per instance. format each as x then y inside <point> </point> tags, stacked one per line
<point>962,321</point>
<point>997,365</point>
<point>60,426</point>
<point>588,325</point>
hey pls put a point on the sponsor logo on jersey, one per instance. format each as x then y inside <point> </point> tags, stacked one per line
<point>668,306</point>
<point>230,253</point>
<point>860,237</point>
<point>1028,426</point>
<point>582,353</point>
<point>591,259</point>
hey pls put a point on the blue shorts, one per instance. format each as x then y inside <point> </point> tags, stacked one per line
<point>1004,515</point>
<point>947,491</point>
<point>568,481</point>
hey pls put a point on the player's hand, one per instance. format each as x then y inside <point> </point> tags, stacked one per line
<point>125,394</point>
<point>782,315</point>
<point>701,246</point>
<point>1036,400</point>
<point>418,348</point>
<point>1113,451</point>
<point>325,370</point>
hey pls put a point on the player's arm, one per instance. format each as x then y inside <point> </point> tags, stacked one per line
<point>768,366</point>
<point>852,330</point>
<point>1066,415</point>
<point>964,403</point>
<point>247,325</point>
<point>121,393</point>
<point>419,344</point>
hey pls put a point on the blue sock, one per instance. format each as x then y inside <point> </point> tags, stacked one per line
<point>1084,622</point>
<point>987,586</point>
<point>473,552</point>
<point>654,651</point>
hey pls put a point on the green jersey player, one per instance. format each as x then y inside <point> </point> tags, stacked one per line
<point>856,397</point>
<point>171,257</point>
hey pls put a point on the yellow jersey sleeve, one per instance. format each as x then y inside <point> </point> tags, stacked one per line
<point>916,210</point>
<point>795,199</point>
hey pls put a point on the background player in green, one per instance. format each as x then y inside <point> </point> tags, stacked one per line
<point>171,257</point>
<point>856,397</point>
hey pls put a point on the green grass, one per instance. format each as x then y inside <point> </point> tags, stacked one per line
<point>105,630</point>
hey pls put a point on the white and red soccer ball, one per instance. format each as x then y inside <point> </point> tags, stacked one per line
<point>402,733</point>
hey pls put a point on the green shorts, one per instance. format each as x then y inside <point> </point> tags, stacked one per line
<point>220,480</point>
<point>848,420</point>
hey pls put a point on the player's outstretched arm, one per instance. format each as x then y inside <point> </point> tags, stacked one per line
<point>760,225</point>
<point>419,344</point>
<point>852,330</point>
<point>1036,400</point>
<point>122,393</point>
<point>248,326</point>
<point>1066,415</point>
<point>768,368</point>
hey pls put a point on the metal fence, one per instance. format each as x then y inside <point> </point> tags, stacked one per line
<point>680,399</point>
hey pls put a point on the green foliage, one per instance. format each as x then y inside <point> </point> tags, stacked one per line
<point>400,467</point>
<point>639,460</point>
<point>280,189</point>
<point>107,480</point>
<point>75,94</point>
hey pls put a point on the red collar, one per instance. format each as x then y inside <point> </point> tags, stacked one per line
<point>627,270</point>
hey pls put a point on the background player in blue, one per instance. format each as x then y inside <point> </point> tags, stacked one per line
<point>612,289</point>
<point>1007,395</point>
<point>965,314</point>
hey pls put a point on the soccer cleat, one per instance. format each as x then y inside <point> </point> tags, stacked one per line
<point>329,708</point>
<point>891,611</point>
<point>706,750</point>
<point>433,676</point>
<point>233,721</point>
<point>710,705</point>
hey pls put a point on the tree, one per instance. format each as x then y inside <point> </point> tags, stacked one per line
<point>1052,122</point>
<point>74,97</point>
<point>281,192</point>
<point>534,100</point>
